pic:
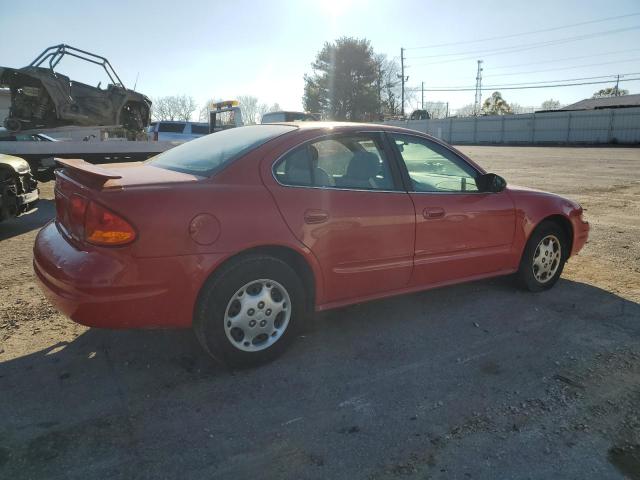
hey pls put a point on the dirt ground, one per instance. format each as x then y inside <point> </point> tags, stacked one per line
<point>478,381</point>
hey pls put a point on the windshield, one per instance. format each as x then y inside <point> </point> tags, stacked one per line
<point>207,155</point>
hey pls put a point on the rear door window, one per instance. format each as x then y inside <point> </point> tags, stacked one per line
<point>352,162</point>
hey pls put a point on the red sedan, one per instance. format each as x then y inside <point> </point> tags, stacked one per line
<point>242,233</point>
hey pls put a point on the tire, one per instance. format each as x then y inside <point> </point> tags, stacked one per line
<point>544,257</point>
<point>243,318</point>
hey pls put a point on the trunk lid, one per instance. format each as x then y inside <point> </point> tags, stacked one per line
<point>100,183</point>
<point>114,176</point>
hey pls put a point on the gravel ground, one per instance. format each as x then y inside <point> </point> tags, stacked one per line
<point>475,381</point>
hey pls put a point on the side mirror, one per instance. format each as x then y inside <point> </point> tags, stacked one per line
<point>490,182</point>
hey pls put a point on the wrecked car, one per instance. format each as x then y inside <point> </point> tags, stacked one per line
<point>44,98</point>
<point>18,188</point>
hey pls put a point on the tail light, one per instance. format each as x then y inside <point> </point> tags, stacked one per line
<point>96,224</point>
<point>76,214</point>
<point>104,227</point>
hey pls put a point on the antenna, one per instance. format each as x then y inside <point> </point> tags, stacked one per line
<point>478,100</point>
<point>135,84</point>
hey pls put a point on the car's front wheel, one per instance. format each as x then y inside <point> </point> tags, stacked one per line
<point>544,257</point>
<point>249,312</point>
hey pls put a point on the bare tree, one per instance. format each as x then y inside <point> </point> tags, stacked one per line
<point>518,109</point>
<point>436,109</point>
<point>388,86</point>
<point>173,107</point>
<point>466,110</point>
<point>249,108</point>
<point>550,104</point>
<point>262,109</point>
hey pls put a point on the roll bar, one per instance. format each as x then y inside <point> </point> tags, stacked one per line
<point>57,52</point>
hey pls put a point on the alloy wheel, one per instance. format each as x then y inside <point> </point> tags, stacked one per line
<point>257,315</point>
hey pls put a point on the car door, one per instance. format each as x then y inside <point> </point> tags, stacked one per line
<point>461,232</point>
<point>343,198</point>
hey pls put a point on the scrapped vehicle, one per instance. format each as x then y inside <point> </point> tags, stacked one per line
<point>274,117</point>
<point>261,225</point>
<point>44,98</point>
<point>18,188</point>
<point>419,115</point>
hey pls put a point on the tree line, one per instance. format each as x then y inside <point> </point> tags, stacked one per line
<point>183,107</point>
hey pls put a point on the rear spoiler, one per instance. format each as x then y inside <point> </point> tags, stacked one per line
<point>92,175</point>
<point>87,168</point>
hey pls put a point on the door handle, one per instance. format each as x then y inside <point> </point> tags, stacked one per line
<point>433,212</point>
<point>315,216</point>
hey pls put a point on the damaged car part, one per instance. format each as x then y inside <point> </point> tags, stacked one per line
<point>18,188</point>
<point>44,98</point>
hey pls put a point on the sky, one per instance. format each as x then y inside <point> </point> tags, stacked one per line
<point>224,49</point>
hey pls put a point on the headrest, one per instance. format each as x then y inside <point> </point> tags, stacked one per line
<point>363,166</point>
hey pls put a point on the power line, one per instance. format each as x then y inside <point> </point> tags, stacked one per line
<point>562,68</point>
<point>465,42</point>
<point>565,58</point>
<point>523,88</point>
<point>529,46</point>
<point>544,81</point>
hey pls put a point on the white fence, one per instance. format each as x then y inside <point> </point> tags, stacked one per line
<point>613,125</point>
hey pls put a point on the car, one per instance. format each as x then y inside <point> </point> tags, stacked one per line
<point>419,115</point>
<point>274,117</point>
<point>19,192</point>
<point>243,234</point>
<point>176,131</point>
<point>42,97</point>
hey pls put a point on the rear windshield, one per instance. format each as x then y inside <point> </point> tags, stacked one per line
<point>171,127</point>
<point>206,155</point>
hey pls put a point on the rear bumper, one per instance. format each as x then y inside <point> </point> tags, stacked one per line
<point>108,288</point>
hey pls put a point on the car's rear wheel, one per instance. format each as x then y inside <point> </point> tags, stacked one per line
<point>544,257</point>
<point>248,312</point>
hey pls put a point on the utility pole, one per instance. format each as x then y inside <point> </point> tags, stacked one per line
<point>447,110</point>
<point>617,92</point>
<point>422,102</point>
<point>478,100</point>
<point>402,79</point>
<point>380,91</point>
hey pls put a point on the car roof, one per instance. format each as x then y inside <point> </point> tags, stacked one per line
<point>349,126</point>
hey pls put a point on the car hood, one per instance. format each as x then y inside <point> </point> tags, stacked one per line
<point>18,164</point>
